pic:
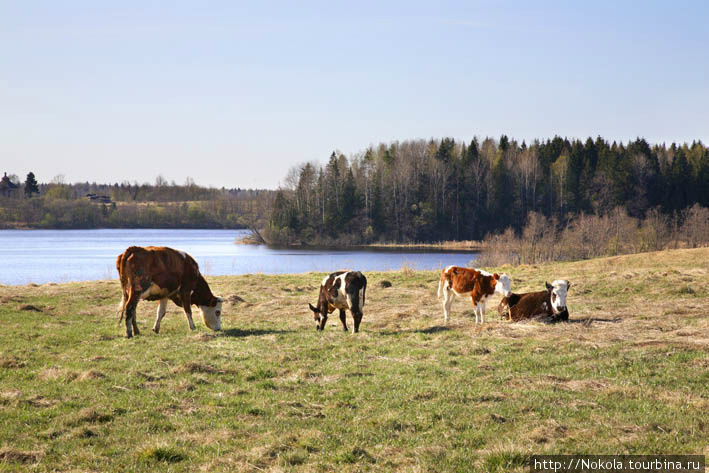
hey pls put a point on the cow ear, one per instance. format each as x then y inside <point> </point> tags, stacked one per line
<point>313,308</point>
<point>568,284</point>
<point>548,286</point>
<point>496,276</point>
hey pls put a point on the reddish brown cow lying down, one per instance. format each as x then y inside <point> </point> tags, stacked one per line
<point>160,273</point>
<point>546,306</point>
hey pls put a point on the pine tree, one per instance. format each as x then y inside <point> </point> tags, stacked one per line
<point>31,186</point>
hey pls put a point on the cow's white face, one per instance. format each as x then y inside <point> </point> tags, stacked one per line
<point>503,285</point>
<point>559,289</point>
<point>212,316</point>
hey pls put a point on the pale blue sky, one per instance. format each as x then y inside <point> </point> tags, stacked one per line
<point>233,94</point>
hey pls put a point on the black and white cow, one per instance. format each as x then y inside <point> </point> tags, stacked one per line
<point>343,290</point>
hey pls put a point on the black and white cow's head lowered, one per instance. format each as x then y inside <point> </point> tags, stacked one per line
<point>558,290</point>
<point>343,290</point>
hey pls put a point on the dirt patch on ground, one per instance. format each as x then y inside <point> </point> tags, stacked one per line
<point>90,415</point>
<point>8,454</point>
<point>234,299</point>
<point>550,431</point>
<point>194,367</point>
<point>11,362</point>
<point>39,402</point>
<point>586,385</point>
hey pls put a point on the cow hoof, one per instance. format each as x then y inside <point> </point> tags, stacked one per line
<point>156,330</point>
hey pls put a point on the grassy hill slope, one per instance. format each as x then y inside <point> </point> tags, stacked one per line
<point>628,374</point>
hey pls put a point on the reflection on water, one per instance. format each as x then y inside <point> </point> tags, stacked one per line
<point>42,256</point>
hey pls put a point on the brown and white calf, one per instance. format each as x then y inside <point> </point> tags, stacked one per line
<point>546,306</point>
<point>159,273</point>
<point>343,290</point>
<point>478,284</point>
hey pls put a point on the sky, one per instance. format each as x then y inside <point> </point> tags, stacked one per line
<point>234,93</point>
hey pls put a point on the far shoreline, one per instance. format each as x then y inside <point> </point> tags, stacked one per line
<point>455,246</point>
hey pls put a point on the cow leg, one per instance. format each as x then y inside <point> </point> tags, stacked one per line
<point>135,325</point>
<point>187,307</point>
<point>476,308</point>
<point>162,308</point>
<point>130,316</point>
<point>482,313</point>
<point>343,319</point>
<point>448,296</point>
<point>357,319</point>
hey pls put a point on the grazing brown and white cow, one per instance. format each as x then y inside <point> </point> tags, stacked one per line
<point>546,306</point>
<point>480,285</point>
<point>159,273</point>
<point>343,290</point>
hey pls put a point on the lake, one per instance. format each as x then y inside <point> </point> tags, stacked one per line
<point>42,256</point>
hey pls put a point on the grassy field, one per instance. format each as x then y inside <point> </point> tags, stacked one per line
<point>628,374</point>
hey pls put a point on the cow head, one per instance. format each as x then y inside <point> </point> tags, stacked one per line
<point>558,290</point>
<point>319,317</point>
<point>212,313</point>
<point>502,284</point>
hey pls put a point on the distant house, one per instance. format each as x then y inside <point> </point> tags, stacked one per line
<point>103,199</point>
<point>7,187</point>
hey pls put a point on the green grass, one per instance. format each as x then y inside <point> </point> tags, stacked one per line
<point>629,374</point>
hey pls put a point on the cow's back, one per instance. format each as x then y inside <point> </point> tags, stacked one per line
<point>162,265</point>
<point>530,305</point>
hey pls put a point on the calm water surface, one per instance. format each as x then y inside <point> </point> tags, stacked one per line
<point>41,256</point>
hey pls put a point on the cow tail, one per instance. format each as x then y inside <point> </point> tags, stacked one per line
<point>125,295</point>
<point>122,307</point>
<point>362,296</point>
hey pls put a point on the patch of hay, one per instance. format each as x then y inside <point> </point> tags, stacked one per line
<point>90,374</point>
<point>52,374</point>
<point>11,395</point>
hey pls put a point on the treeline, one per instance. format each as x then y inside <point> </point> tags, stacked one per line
<point>432,190</point>
<point>133,205</point>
